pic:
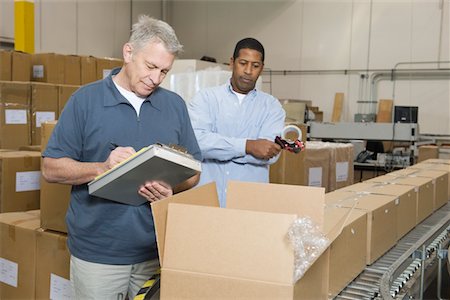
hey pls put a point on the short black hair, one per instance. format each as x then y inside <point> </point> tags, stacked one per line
<point>249,43</point>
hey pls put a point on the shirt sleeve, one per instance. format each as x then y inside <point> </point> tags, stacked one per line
<point>65,139</point>
<point>212,144</point>
<point>271,127</point>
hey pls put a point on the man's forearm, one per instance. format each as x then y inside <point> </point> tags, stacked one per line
<point>68,171</point>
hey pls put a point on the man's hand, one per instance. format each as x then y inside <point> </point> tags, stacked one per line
<point>154,191</point>
<point>262,149</point>
<point>118,155</point>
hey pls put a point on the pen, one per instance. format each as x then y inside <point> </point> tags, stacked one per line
<point>113,146</point>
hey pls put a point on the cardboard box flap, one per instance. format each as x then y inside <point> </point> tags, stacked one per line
<point>402,172</point>
<point>205,195</point>
<point>430,173</point>
<point>438,161</point>
<point>358,187</point>
<point>391,189</point>
<point>278,198</point>
<point>381,179</point>
<point>410,180</point>
<point>229,242</point>
<point>373,202</point>
<point>431,166</point>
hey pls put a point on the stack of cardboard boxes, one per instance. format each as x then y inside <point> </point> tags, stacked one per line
<point>328,165</point>
<point>34,258</point>
<point>54,68</point>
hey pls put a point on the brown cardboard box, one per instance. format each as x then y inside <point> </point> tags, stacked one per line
<point>72,69</point>
<point>406,202</point>
<point>341,165</point>
<point>15,128</point>
<point>55,197</point>
<point>44,107</point>
<point>424,188</point>
<point>48,67</point>
<point>105,65</point>
<point>64,93</point>
<point>5,65</point>
<point>53,266</point>
<point>229,262</point>
<point>289,168</point>
<point>440,183</point>
<point>21,66</point>
<point>381,219</point>
<point>18,253</point>
<point>88,69</point>
<point>317,165</point>
<point>427,152</point>
<point>435,166</point>
<point>20,180</point>
<point>30,148</point>
<point>348,250</point>
<point>437,161</point>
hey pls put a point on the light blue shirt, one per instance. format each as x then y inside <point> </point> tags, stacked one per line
<point>222,127</point>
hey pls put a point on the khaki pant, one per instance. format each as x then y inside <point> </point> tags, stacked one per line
<point>112,282</point>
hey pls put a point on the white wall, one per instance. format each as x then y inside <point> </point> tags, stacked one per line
<point>331,35</point>
<point>298,35</point>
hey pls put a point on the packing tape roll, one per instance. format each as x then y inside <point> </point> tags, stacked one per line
<point>291,128</point>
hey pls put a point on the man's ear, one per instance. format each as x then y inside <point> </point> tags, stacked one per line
<point>231,63</point>
<point>127,52</point>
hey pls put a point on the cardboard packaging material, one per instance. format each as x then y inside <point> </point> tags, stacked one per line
<point>227,252</point>
<point>53,266</point>
<point>5,65</point>
<point>48,67</point>
<point>348,250</point>
<point>341,165</point>
<point>54,197</point>
<point>18,254</point>
<point>72,69</point>
<point>44,107</point>
<point>30,148</point>
<point>406,202</point>
<point>20,180</point>
<point>381,213</point>
<point>427,152</point>
<point>21,66</point>
<point>88,69</point>
<point>435,166</point>
<point>289,168</point>
<point>64,93</point>
<point>440,183</point>
<point>437,161</point>
<point>317,165</point>
<point>105,66</point>
<point>424,188</point>
<point>15,127</point>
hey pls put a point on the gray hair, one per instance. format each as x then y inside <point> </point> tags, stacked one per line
<point>152,30</point>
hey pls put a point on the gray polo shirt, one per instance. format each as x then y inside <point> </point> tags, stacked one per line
<point>97,115</point>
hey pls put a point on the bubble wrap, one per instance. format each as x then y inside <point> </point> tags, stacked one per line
<point>308,242</point>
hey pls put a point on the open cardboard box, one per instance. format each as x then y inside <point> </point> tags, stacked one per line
<point>241,251</point>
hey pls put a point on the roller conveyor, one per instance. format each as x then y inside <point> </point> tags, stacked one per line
<point>406,270</point>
